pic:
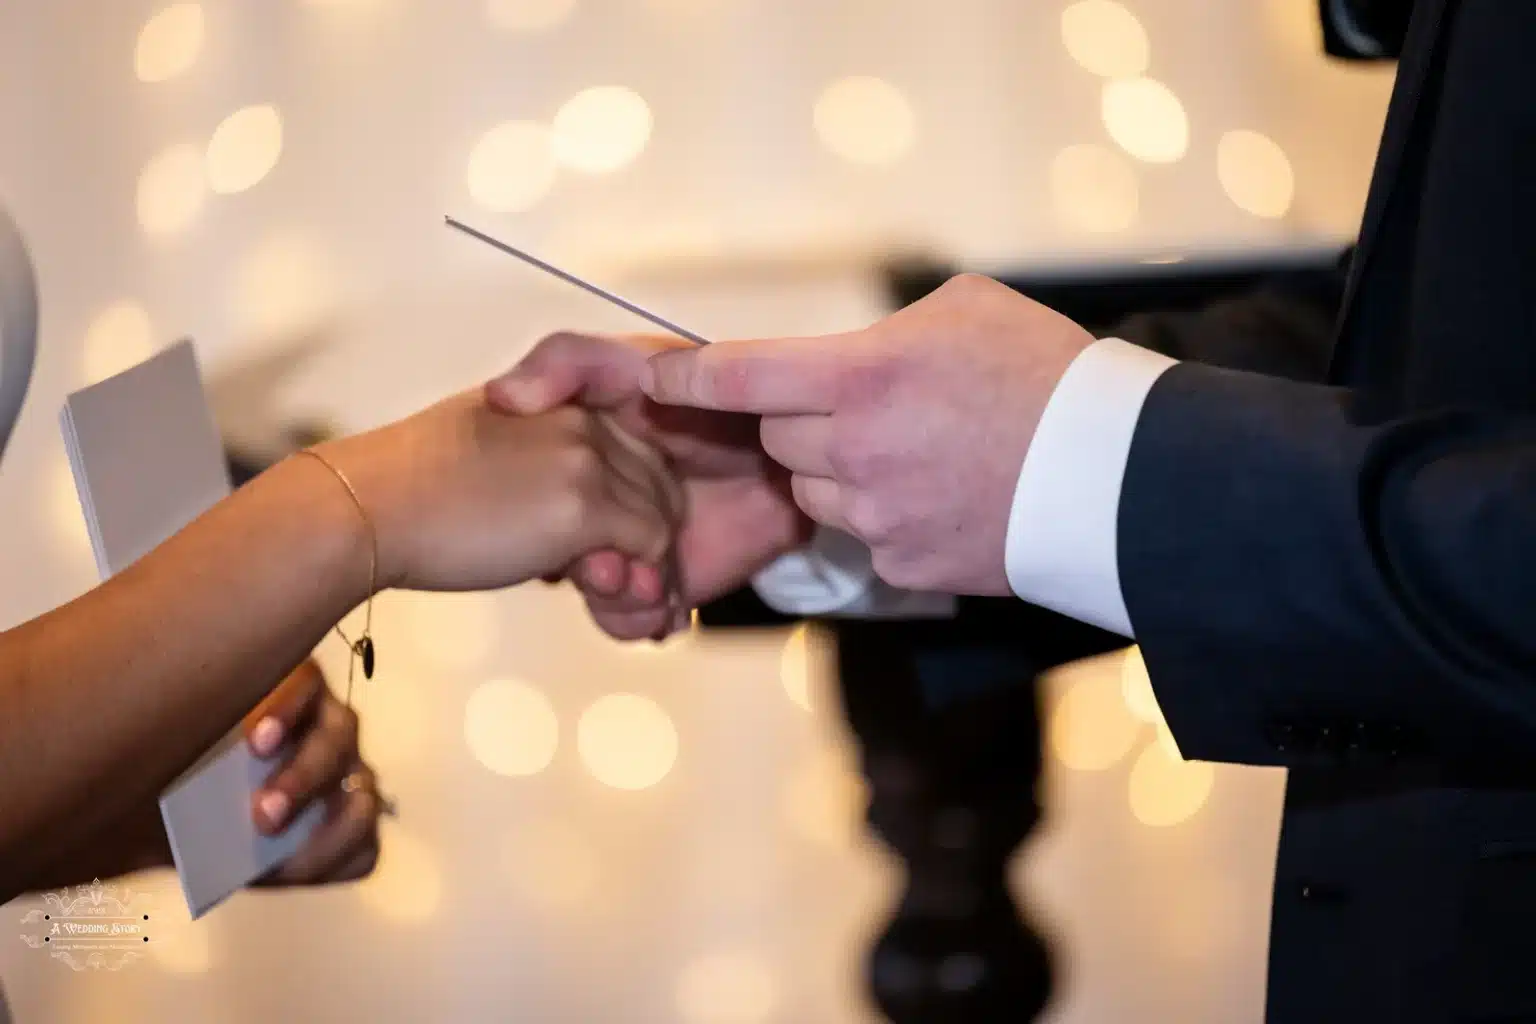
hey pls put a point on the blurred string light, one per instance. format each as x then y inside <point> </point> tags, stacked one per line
<point>178,944</point>
<point>528,15</point>
<point>1136,686</point>
<point>244,149</point>
<point>512,167</point>
<point>393,716</point>
<point>511,728</point>
<point>119,337</point>
<point>1090,728</point>
<point>824,799</point>
<point>1255,173</point>
<point>1105,38</point>
<point>169,43</point>
<point>171,190</point>
<point>727,987</point>
<point>1094,188</point>
<point>282,287</point>
<point>407,885</point>
<point>627,741</point>
<point>1145,119</point>
<point>65,514</point>
<point>1165,790</point>
<point>551,864</point>
<point>865,120</point>
<point>453,633</point>
<point>601,130</point>
<point>804,666</point>
<point>1170,745</point>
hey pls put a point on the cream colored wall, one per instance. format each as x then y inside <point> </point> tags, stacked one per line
<point>750,197</point>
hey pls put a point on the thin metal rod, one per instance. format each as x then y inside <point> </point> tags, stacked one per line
<point>570,278</point>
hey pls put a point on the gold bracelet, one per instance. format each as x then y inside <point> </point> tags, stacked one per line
<point>362,649</point>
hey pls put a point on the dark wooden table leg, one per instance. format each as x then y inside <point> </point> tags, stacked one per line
<point>952,784</point>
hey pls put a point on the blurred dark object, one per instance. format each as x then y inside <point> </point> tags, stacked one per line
<point>1364,29</point>
<point>246,463</point>
<point>945,712</point>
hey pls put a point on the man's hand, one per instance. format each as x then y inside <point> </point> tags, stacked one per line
<point>324,764</point>
<point>740,515</point>
<point>910,434</point>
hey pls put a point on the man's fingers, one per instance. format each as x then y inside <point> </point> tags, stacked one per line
<point>785,376</point>
<point>801,444</point>
<point>821,499</point>
<point>285,710</point>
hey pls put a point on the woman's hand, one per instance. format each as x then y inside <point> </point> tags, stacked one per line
<point>466,498</point>
<point>324,765</point>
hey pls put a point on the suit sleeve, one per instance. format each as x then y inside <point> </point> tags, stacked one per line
<point>1310,579</point>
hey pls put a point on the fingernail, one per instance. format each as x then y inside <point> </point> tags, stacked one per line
<point>266,737</point>
<point>275,806</point>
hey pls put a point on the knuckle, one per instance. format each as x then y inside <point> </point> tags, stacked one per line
<point>869,518</point>
<point>854,451</point>
<point>895,569</point>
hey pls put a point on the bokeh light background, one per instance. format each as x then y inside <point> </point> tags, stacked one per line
<point>589,832</point>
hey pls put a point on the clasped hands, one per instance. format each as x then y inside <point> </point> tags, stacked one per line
<point>909,435</point>
<point>657,475</point>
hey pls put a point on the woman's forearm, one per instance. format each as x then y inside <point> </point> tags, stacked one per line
<point>105,700</point>
<point>137,843</point>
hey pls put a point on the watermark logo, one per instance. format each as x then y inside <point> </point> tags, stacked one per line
<point>92,927</point>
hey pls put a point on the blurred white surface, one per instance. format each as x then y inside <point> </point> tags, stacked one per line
<point>268,177</point>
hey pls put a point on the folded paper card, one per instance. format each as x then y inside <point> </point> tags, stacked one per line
<point>147,460</point>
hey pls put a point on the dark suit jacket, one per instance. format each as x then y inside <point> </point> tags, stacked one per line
<point>1339,575</point>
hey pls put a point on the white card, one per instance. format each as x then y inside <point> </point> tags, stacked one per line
<point>147,460</point>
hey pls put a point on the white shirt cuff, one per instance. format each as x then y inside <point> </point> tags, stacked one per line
<point>1062,549</point>
<point>834,576</point>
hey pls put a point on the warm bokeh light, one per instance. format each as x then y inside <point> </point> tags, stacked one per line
<point>282,288</point>
<point>825,797</point>
<point>551,864</point>
<point>120,337</point>
<point>627,741</point>
<point>171,190</point>
<point>1094,188</point>
<point>393,713</point>
<point>407,885</point>
<point>1165,790</point>
<point>453,634</point>
<point>512,167</point>
<point>169,43</point>
<point>511,728</point>
<point>64,514</point>
<point>1145,119</point>
<point>1136,685</point>
<point>865,120</point>
<point>803,666</point>
<point>1170,745</point>
<point>1105,38</point>
<point>178,944</point>
<point>726,987</point>
<point>528,15</point>
<point>245,147</point>
<point>1255,173</point>
<point>601,130</point>
<point>1090,728</point>
<point>1296,26</point>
